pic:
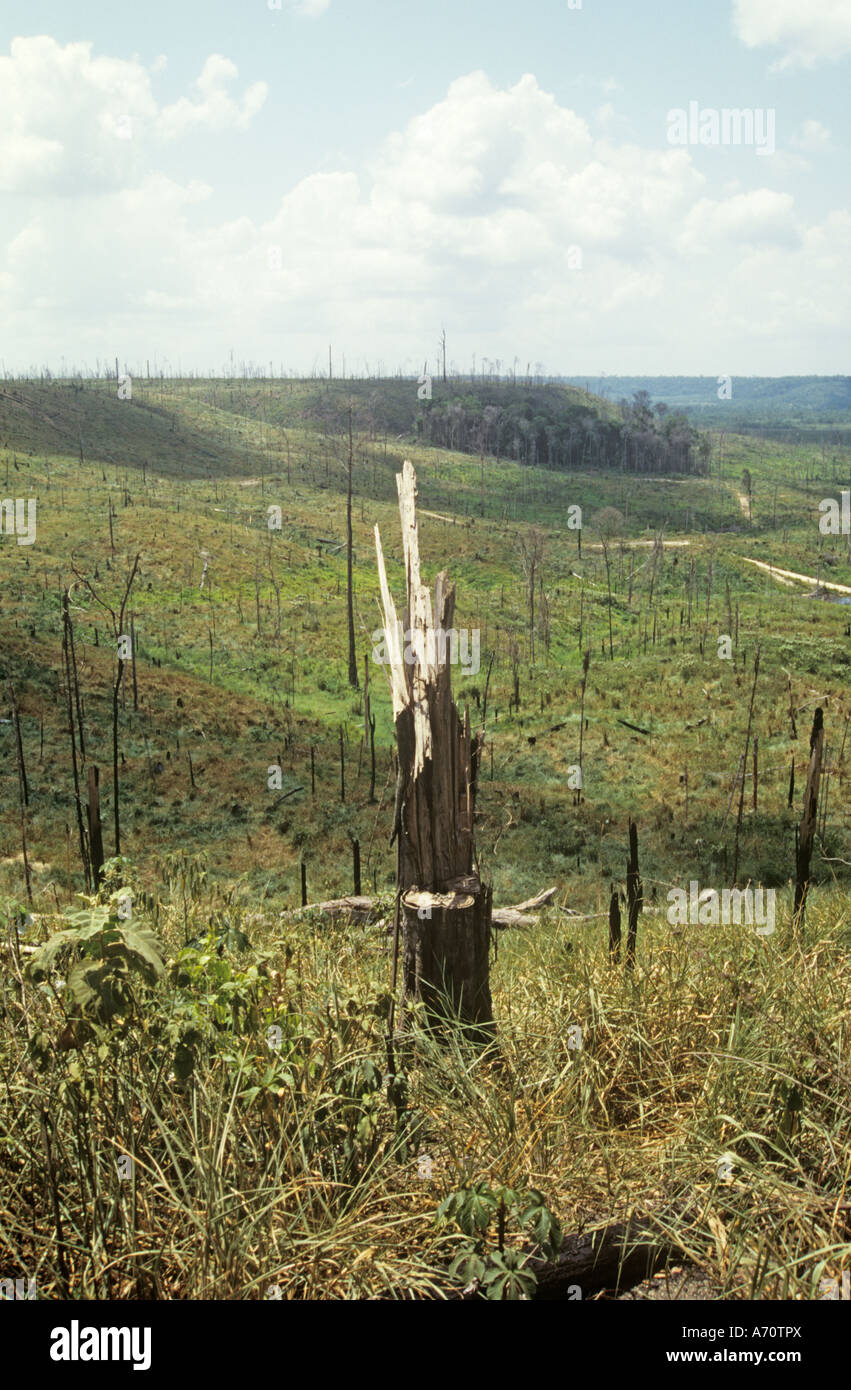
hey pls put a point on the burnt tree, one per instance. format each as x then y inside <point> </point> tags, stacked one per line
<point>807,829</point>
<point>445,909</point>
<point>634,895</point>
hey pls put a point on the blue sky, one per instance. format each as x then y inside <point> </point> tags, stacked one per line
<point>179,181</point>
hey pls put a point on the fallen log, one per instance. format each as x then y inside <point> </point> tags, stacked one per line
<point>292,792</point>
<point>539,899</point>
<point>502,917</point>
<point>365,909</point>
<point>360,908</point>
<point>636,727</point>
<point>612,1260</point>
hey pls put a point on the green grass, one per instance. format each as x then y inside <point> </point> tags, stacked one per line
<point>687,1062</point>
<point>294,1169</point>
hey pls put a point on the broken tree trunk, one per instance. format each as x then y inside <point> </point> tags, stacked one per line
<point>445,908</point>
<point>807,830</point>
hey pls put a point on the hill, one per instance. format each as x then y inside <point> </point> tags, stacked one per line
<point>316,1164</point>
<point>817,402</point>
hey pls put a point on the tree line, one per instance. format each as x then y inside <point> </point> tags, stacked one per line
<point>548,429</point>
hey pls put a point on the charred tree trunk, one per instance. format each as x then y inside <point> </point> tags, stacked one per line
<point>634,895</point>
<point>807,831</point>
<point>445,908</point>
<point>95,832</point>
<point>614,926</point>
<point>350,611</point>
<point>22,791</point>
<point>66,630</point>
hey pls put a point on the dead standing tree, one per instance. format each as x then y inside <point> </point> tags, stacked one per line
<point>445,910</point>
<point>809,819</point>
<point>634,895</point>
<point>532,556</point>
<point>123,650</point>
<point>353,661</point>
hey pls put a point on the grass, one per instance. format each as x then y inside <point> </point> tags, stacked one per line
<point>724,1049</point>
<point>295,1169</point>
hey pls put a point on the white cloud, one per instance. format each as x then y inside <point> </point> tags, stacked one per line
<point>812,137</point>
<point>72,122</point>
<point>808,31</point>
<point>467,216</point>
<point>311,9</point>
<point>761,218</point>
<point>213,108</point>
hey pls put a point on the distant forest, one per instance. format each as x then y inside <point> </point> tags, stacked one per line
<point>544,427</point>
<point>789,400</point>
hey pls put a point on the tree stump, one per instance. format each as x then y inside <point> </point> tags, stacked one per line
<point>445,909</point>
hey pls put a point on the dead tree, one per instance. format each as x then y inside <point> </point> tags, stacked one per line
<point>95,832</point>
<point>614,926</point>
<point>22,791</point>
<point>350,612</point>
<point>532,555</point>
<point>807,830</point>
<point>744,763</point>
<point>445,909</point>
<point>70,682</point>
<point>605,545</point>
<point>586,661</point>
<point>634,895</point>
<point>369,722</point>
<point>119,637</point>
<point>19,745</point>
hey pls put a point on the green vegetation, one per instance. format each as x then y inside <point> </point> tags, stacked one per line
<point>711,1088</point>
<point>815,401</point>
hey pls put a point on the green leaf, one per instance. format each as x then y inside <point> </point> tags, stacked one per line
<point>545,1227</point>
<point>494,1283</point>
<point>466,1267</point>
<point>235,939</point>
<point>83,984</point>
<point>143,943</point>
<point>43,959</point>
<point>87,922</point>
<point>508,1278</point>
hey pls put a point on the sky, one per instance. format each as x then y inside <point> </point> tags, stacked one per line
<point>192,184</point>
